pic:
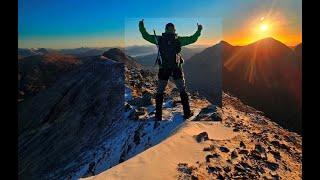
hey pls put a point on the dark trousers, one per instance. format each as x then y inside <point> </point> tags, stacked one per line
<point>177,75</point>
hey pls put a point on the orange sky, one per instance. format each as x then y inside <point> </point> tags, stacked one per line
<point>286,29</point>
<point>243,38</point>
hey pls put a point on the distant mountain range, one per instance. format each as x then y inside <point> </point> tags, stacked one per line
<point>23,52</point>
<point>86,51</point>
<point>265,74</point>
<point>148,60</point>
<point>135,51</point>
<point>79,52</point>
<point>40,70</point>
<point>139,52</point>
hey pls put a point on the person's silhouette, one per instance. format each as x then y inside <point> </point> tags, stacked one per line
<point>169,48</point>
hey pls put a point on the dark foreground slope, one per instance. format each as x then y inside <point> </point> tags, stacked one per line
<point>58,126</point>
<point>80,125</point>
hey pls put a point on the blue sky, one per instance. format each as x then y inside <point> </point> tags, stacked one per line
<point>211,34</point>
<point>97,23</point>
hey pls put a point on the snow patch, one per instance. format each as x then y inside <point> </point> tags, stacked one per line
<point>127,93</point>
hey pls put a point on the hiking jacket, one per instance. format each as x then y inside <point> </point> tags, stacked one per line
<point>184,40</point>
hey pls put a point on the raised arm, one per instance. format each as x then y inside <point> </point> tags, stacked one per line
<point>145,34</point>
<point>186,40</point>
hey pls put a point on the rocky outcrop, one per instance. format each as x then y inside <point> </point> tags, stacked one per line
<point>58,127</point>
<point>261,150</point>
<point>117,54</point>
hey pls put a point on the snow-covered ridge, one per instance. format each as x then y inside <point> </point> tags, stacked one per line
<point>137,132</point>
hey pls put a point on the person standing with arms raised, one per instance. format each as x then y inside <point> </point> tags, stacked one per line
<point>169,44</point>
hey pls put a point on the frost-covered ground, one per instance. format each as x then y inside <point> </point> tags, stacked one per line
<point>245,145</point>
<point>130,137</point>
<point>166,145</point>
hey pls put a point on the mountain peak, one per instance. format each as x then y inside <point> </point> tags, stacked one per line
<point>117,54</point>
<point>270,43</point>
<point>43,51</point>
<point>224,43</point>
<point>269,40</point>
<point>113,52</point>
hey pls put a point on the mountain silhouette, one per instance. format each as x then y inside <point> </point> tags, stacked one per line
<point>265,74</point>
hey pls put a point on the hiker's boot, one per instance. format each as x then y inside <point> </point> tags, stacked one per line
<point>159,101</point>
<point>187,113</point>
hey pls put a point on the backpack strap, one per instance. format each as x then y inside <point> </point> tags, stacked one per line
<point>158,58</point>
<point>158,61</point>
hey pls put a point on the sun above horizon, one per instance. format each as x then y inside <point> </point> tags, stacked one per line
<point>264,27</point>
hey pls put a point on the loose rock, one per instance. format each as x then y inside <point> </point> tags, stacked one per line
<point>202,137</point>
<point>234,154</point>
<point>224,149</point>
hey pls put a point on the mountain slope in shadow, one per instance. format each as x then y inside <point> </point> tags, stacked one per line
<point>265,74</point>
